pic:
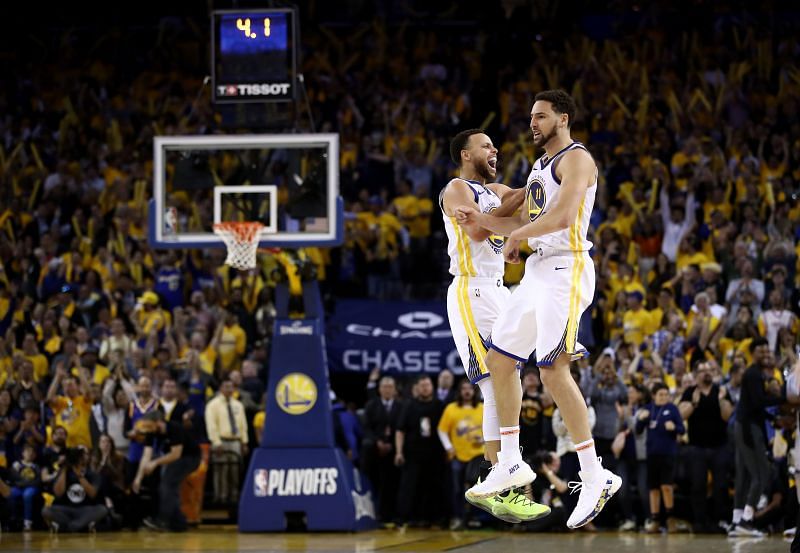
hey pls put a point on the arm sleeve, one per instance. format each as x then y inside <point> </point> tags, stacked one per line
<point>445,439</point>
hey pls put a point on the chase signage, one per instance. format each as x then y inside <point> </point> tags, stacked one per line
<point>407,337</point>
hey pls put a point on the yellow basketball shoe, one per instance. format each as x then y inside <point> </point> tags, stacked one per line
<point>488,504</point>
<point>516,507</point>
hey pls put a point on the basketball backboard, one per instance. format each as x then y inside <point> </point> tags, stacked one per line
<point>289,183</point>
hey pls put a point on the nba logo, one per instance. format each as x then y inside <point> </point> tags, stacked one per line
<point>260,481</point>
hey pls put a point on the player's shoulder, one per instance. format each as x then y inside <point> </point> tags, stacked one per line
<point>457,182</point>
<point>578,153</point>
<point>458,185</point>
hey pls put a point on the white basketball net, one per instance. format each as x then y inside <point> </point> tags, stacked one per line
<point>241,239</point>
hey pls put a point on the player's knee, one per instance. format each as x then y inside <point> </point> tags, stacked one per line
<point>546,375</point>
<point>487,391</point>
<point>500,364</point>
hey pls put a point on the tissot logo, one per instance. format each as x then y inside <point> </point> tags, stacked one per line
<point>258,89</point>
<point>420,320</point>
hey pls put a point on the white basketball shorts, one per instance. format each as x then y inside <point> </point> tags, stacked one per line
<point>545,309</point>
<point>473,305</point>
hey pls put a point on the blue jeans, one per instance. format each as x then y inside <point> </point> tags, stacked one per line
<point>169,491</point>
<point>28,494</point>
<point>458,474</point>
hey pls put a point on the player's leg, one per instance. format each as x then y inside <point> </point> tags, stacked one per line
<point>513,338</point>
<point>569,294</point>
<point>512,506</point>
<point>491,424</point>
<point>465,310</point>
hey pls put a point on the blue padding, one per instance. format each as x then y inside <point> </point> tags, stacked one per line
<point>319,482</point>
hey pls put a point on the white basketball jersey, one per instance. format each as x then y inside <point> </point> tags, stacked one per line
<point>542,194</point>
<point>469,258</point>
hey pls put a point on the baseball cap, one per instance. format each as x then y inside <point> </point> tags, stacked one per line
<point>610,352</point>
<point>149,297</point>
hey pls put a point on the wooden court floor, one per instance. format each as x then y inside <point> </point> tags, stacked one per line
<point>228,540</point>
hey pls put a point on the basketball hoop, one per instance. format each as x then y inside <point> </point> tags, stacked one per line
<point>241,239</point>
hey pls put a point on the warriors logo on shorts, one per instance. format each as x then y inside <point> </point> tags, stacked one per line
<point>536,199</point>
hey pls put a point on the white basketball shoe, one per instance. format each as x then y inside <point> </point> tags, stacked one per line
<point>506,474</point>
<point>595,493</point>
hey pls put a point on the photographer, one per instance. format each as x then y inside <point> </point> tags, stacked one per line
<point>75,490</point>
<point>180,456</point>
<point>548,490</point>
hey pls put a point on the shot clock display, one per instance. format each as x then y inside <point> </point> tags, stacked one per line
<point>253,56</point>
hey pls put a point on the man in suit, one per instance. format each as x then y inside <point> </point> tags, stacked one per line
<point>381,415</point>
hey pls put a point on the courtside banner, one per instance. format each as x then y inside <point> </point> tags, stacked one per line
<point>398,337</point>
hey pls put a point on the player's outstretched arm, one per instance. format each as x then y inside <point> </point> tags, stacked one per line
<point>578,171</point>
<point>501,221</point>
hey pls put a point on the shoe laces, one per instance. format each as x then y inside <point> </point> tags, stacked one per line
<point>521,498</point>
<point>574,486</point>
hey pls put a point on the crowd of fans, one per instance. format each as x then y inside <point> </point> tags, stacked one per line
<point>105,342</point>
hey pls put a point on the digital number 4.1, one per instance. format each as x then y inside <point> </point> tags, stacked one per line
<point>244,26</point>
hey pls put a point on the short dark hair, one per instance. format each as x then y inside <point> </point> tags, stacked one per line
<point>760,341</point>
<point>459,143</point>
<point>657,387</point>
<point>562,103</point>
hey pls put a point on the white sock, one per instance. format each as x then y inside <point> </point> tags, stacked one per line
<point>509,443</point>
<point>747,516</point>
<point>737,515</point>
<point>587,456</point>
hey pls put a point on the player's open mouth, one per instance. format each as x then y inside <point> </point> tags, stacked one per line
<point>536,134</point>
<point>492,162</point>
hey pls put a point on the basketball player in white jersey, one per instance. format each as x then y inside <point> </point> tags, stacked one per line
<point>544,311</point>
<point>477,295</point>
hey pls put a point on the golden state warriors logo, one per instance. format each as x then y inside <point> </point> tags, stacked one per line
<point>536,199</point>
<point>296,393</point>
<point>496,241</point>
